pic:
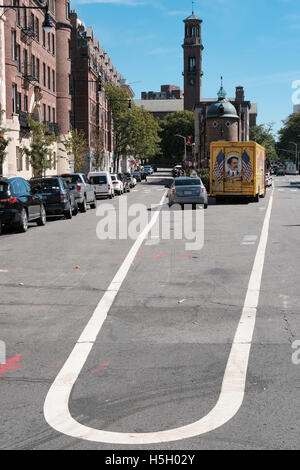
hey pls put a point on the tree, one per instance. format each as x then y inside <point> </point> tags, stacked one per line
<point>264,135</point>
<point>118,100</point>
<point>99,150</point>
<point>290,132</point>
<point>3,142</point>
<point>76,146</point>
<point>182,123</point>
<point>40,152</point>
<point>145,134</point>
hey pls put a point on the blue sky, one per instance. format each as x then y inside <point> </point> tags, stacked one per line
<point>253,43</point>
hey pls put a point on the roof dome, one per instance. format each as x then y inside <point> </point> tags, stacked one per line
<point>222,108</point>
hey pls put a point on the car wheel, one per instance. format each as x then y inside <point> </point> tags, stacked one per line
<point>83,206</point>
<point>94,204</point>
<point>69,214</point>
<point>75,209</point>
<point>42,220</point>
<point>205,205</point>
<point>23,225</point>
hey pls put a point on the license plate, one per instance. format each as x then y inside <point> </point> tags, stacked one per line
<point>188,193</point>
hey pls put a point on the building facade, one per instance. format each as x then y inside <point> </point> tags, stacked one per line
<point>91,69</point>
<point>37,75</point>
<point>222,120</point>
<point>167,92</point>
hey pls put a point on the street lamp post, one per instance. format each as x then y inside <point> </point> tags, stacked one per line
<point>184,138</point>
<point>47,23</point>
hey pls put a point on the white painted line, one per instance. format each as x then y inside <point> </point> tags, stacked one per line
<point>249,240</point>
<point>152,242</point>
<point>56,409</point>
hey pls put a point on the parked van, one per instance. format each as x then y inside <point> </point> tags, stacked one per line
<point>102,182</point>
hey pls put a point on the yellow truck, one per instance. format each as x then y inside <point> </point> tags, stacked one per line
<point>237,169</point>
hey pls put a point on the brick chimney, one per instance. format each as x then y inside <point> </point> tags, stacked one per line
<point>239,94</point>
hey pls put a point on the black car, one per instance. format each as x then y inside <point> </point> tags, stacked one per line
<point>57,197</point>
<point>126,182</point>
<point>19,205</point>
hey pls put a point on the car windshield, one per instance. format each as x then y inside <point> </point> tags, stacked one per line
<point>99,179</point>
<point>113,177</point>
<point>71,179</point>
<point>188,182</point>
<point>49,184</point>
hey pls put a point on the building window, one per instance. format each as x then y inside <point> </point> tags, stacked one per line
<point>54,161</point>
<point>44,38</point>
<point>49,79</point>
<point>37,29</point>
<point>24,19</point>
<point>32,66</point>
<point>53,115</point>
<point>16,4</point>
<point>18,58</point>
<point>25,62</point>
<point>69,49</point>
<point>192,64</point>
<point>70,85</point>
<point>38,69</point>
<point>53,80</point>
<point>68,10</point>
<point>49,40</point>
<point>14,98</point>
<point>32,22</point>
<point>44,74</point>
<point>13,44</point>
<point>49,114</point>
<point>19,158</point>
<point>44,113</point>
<point>26,103</point>
<point>19,104</point>
<point>53,44</point>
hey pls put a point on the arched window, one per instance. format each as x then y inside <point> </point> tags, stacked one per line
<point>192,64</point>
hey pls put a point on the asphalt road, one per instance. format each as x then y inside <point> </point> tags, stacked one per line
<point>159,359</point>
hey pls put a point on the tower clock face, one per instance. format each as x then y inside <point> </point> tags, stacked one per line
<point>192,81</point>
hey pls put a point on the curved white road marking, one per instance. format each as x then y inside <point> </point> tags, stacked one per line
<point>56,408</point>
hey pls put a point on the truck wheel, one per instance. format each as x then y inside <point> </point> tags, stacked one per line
<point>42,220</point>
<point>256,198</point>
<point>23,225</point>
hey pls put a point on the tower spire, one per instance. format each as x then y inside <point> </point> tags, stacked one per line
<point>193,4</point>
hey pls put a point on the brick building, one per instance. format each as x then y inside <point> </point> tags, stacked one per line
<point>92,66</point>
<point>222,120</point>
<point>37,75</point>
<point>167,92</point>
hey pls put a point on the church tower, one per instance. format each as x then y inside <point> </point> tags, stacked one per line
<point>192,49</point>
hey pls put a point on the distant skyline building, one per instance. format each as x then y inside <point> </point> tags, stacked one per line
<point>296,108</point>
<point>167,92</point>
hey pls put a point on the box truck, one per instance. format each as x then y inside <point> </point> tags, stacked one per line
<point>237,169</point>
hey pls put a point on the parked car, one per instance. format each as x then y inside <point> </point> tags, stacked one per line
<point>118,184</point>
<point>130,179</point>
<point>137,175</point>
<point>102,183</point>
<point>125,181</point>
<point>177,171</point>
<point>83,191</point>
<point>56,196</point>
<point>148,170</point>
<point>185,190</point>
<point>19,205</point>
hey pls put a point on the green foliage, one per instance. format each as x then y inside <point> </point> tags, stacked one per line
<point>264,135</point>
<point>181,122</point>
<point>135,130</point>
<point>76,145</point>
<point>40,152</point>
<point>290,132</point>
<point>4,141</point>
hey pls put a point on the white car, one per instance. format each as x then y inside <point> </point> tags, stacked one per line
<point>102,182</point>
<point>117,184</point>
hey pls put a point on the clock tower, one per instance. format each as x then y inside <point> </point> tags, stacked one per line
<point>192,49</point>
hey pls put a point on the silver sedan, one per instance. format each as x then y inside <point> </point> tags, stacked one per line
<point>187,190</point>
